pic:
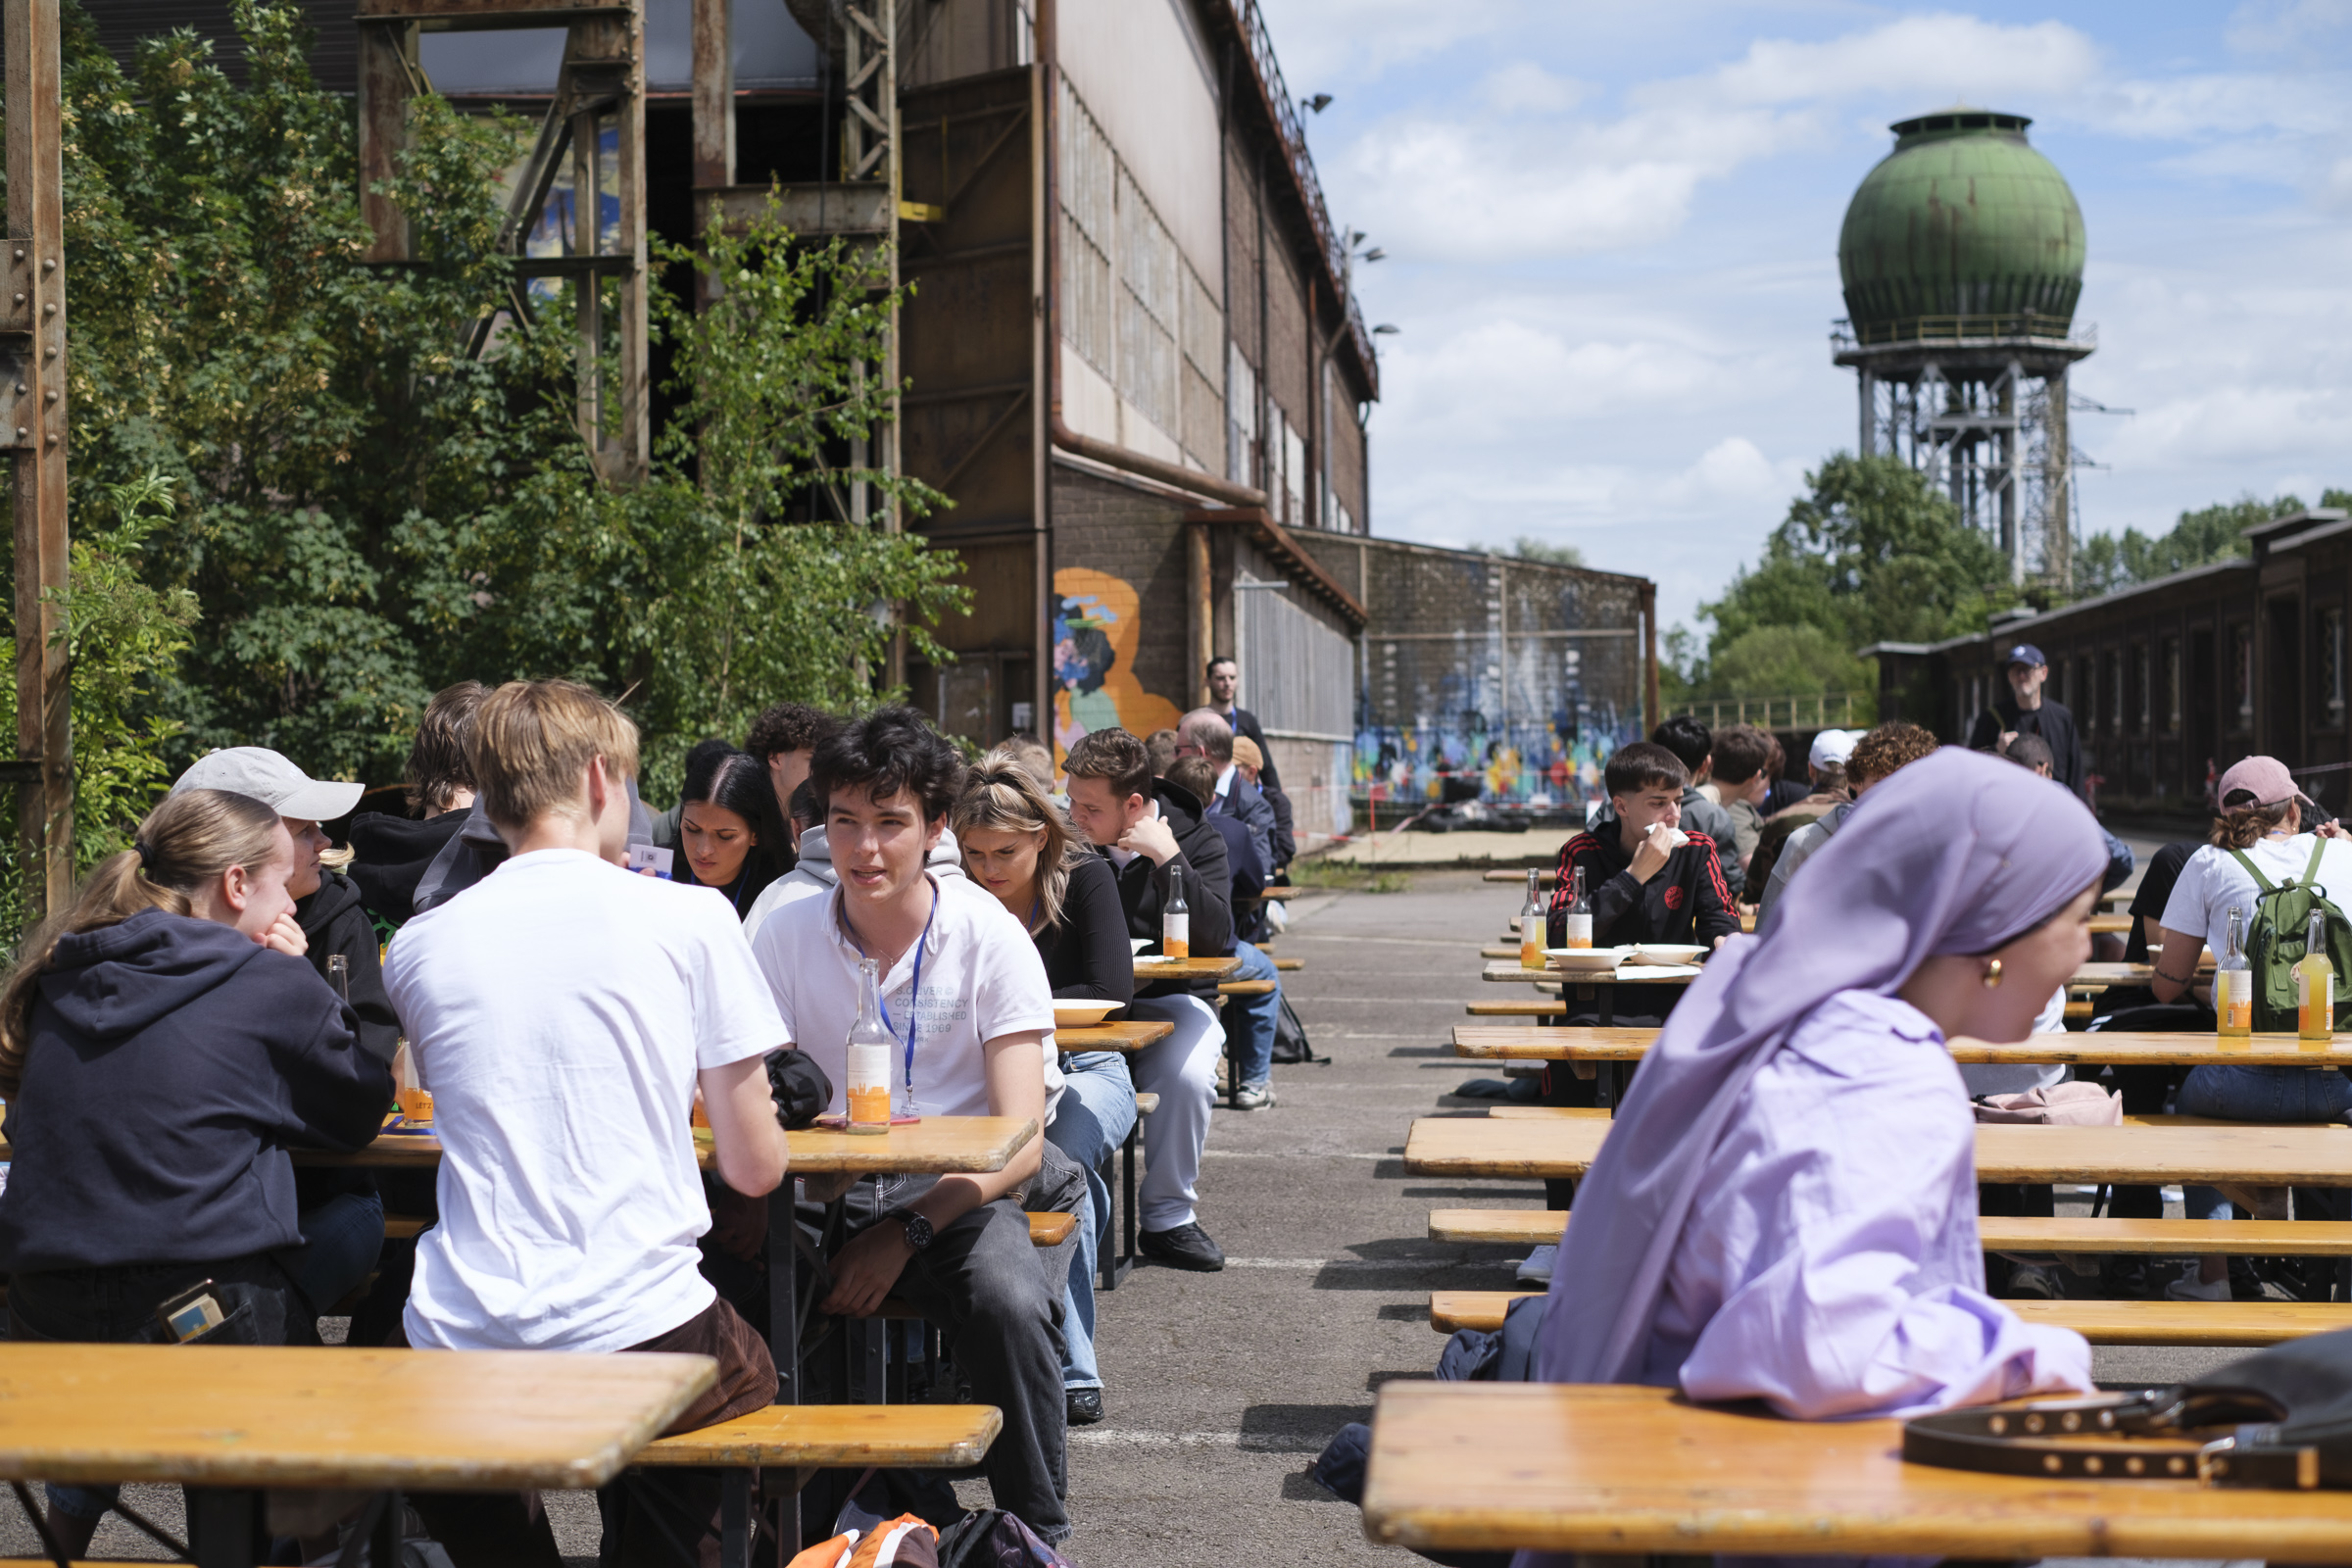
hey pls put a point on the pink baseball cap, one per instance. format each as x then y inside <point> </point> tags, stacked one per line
<point>2258,781</point>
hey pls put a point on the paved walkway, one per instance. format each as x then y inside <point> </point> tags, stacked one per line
<point>1222,1387</point>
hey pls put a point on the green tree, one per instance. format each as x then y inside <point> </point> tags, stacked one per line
<point>1526,547</point>
<point>2105,562</point>
<point>1787,661</point>
<point>362,511</point>
<point>1870,553</point>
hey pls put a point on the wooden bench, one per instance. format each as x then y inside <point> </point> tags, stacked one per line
<point>1290,965</point>
<point>1245,988</point>
<point>805,1438</point>
<point>2205,1324</point>
<point>2070,1234</point>
<point>1050,1230</point>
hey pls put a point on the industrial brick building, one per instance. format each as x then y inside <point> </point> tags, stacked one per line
<point>1132,358</point>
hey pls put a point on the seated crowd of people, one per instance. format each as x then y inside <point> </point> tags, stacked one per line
<point>234,986</point>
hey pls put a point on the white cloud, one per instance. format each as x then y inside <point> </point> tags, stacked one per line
<point>1933,59</point>
<point>1525,86</point>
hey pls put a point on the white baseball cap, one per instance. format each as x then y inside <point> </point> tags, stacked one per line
<point>1831,747</point>
<point>270,779</point>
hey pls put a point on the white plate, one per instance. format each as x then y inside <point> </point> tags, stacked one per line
<point>1153,957</point>
<point>1666,952</point>
<point>1136,944</point>
<point>1584,961</point>
<point>1082,1014</point>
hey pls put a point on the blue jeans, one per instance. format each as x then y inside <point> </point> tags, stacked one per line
<point>1255,1017</point>
<point>1092,1119</point>
<point>340,1239</point>
<point>2260,1094</point>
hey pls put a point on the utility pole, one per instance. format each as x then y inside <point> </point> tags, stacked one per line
<point>33,383</point>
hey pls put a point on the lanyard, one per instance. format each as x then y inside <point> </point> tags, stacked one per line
<point>914,1002</point>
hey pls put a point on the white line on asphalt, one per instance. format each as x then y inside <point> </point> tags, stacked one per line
<point>1389,942</point>
<point>1248,1442</point>
<point>1288,1153</point>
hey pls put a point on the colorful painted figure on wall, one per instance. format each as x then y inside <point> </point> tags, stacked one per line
<point>1094,633</point>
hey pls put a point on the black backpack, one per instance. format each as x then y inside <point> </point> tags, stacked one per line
<point>1290,1038</point>
<point>2281,1419</point>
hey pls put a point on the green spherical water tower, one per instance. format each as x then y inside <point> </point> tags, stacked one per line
<point>1961,257</point>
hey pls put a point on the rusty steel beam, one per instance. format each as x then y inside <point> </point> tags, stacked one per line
<point>388,74</point>
<point>33,339</point>
<point>714,94</point>
<point>811,210</point>
<point>463,15</point>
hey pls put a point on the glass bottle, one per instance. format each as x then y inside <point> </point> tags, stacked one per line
<point>338,975</point>
<point>2233,982</point>
<point>1531,923</point>
<point>1579,919</point>
<point>1176,918</point>
<point>872,1046</point>
<point>2315,984</point>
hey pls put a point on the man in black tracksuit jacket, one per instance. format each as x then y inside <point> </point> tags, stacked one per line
<point>1149,830</point>
<point>1635,895</point>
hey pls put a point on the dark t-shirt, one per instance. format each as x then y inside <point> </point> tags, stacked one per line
<point>2155,891</point>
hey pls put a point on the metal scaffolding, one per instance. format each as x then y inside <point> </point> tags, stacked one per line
<point>1982,413</point>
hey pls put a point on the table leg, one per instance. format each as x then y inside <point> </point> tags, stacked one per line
<point>783,1291</point>
<point>224,1527</point>
<point>1608,1005</point>
<point>866,1359</point>
<point>1127,1197</point>
<point>383,1544</point>
<point>1604,1087</point>
<point>734,1519</point>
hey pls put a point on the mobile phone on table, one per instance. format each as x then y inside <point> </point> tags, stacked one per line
<point>193,1312</point>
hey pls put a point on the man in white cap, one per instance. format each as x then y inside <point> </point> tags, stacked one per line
<point>342,1215</point>
<point>2022,710</point>
<point>1826,763</point>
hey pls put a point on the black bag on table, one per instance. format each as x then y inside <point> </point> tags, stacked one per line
<point>2278,1419</point>
<point>801,1089</point>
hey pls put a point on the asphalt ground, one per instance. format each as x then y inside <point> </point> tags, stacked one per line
<point>1221,1388</point>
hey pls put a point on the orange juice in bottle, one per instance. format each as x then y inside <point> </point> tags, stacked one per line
<point>1579,919</point>
<point>1530,924</point>
<point>870,1048</point>
<point>2315,984</point>
<point>2233,983</point>
<point>1176,918</point>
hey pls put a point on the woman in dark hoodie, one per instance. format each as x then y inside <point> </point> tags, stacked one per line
<point>162,1043</point>
<point>734,838</point>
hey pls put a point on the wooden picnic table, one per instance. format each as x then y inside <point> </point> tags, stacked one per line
<point>1151,971</point>
<point>1494,1466</point>
<point>1492,1042</point>
<point>239,1419</point>
<point>1509,971</point>
<point>1122,1033</point>
<point>2154,1156</point>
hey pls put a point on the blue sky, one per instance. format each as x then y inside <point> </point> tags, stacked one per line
<point>1612,235</point>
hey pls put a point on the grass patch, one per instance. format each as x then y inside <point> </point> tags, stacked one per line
<point>1347,877</point>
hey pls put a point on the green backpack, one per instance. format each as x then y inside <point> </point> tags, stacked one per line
<point>2276,941</point>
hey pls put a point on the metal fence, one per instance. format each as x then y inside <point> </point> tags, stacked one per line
<point>1803,710</point>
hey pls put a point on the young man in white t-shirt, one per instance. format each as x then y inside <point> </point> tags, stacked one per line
<point>564,1013</point>
<point>965,995</point>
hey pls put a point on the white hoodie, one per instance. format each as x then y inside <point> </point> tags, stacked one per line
<point>816,874</point>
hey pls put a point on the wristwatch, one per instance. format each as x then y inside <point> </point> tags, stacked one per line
<point>918,1229</point>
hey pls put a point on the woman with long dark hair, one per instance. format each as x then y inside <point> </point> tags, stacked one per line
<point>162,1043</point>
<point>732,837</point>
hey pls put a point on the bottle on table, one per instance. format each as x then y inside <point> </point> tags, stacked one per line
<point>338,975</point>
<point>1531,923</point>
<point>872,1046</point>
<point>2233,982</point>
<point>1176,918</point>
<point>1579,919</point>
<point>2315,984</point>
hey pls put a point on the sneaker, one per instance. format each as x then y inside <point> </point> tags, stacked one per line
<point>2190,1288</point>
<point>1535,1267</point>
<point>1185,1247</point>
<point>1253,1097</point>
<point>2033,1282</point>
<point>1083,1406</point>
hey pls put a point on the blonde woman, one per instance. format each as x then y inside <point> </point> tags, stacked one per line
<point>1019,848</point>
<point>162,1043</point>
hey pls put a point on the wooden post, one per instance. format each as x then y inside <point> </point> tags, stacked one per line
<point>32,378</point>
<point>388,75</point>
<point>714,94</point>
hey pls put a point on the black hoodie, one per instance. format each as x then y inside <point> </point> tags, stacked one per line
<point>169,1062</point>
<point>334,920</point>
<point>1207,889</point>
<point>392,854</point>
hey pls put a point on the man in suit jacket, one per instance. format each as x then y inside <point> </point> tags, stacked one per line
<point>1224,683</point>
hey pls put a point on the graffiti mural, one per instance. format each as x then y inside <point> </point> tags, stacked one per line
<point>1094,633</point>
<point>1470,761</point>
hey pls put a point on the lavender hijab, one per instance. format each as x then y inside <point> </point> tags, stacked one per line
<point>1957,852</point>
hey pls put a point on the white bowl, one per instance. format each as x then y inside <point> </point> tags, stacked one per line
<point>1136,944</point>
<point>1584,961</point>
<point>1082,1014</point>
<point>1667,952</point>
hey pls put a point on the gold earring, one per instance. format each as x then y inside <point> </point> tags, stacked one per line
<point>1992,975</point>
